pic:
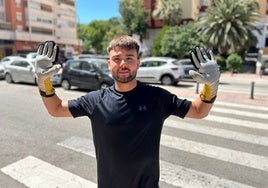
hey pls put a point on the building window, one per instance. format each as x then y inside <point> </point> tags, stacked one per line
<point>18,16</point>
<point>18,3</point>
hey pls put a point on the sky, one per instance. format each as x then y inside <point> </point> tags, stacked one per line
<point>89,10</point>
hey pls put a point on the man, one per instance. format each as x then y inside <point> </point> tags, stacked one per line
<point>127,118</point>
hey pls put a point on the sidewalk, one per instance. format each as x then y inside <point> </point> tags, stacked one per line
<point>231,97</point>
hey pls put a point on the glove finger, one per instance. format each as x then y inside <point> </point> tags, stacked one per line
<point>197,76</point>
<point>51,71</point>
<point>40,48</point>
<point>55,53</point>
<point>50,45</point>
<point>211,55</point>
<point>199,52</point>
<point>194,60</point>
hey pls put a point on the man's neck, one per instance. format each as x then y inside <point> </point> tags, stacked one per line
<point>125,87</point>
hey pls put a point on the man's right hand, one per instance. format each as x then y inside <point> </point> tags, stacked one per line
<point>44,67</point>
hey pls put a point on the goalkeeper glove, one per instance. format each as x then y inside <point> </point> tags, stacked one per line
<point>44,67</point>
<point>208,73</point>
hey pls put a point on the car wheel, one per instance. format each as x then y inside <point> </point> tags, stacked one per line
<point>167,80</point>
<point>104,85</point>
<point>65,84</point>
<point>9,78</point>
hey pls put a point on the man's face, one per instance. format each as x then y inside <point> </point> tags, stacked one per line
<point>123,64</point>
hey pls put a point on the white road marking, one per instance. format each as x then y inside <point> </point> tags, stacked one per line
<point>35,173</point>
<point>184,177</point>
<point>240,113</point>
<point>224,154</point>
<point>232,135</point>
<point>82,145</point>
<point>171,174</point>
<point>237,122</point>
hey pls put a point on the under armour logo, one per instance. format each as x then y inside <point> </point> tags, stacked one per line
<point>141,108</point>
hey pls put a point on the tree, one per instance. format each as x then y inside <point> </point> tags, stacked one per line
<point>179,40</point>
<point>96,34</point>
<point>234,62</point>
<point>134,16</point>
<point>229,25</point>
<point>157,43</point>
<point>169,11</point>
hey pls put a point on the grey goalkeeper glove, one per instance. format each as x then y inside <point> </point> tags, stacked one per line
<point>44,68</point>
<point>208,73</point>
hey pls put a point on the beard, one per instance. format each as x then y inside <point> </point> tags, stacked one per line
<point>132,76</point>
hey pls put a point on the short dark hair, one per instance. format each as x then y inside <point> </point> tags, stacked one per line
<point>124,41</point>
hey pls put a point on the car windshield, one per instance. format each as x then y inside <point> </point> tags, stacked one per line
<point>102,64</point>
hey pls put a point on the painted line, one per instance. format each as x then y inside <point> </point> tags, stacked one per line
<point>35,173</point>
<point>232,135</point>
<point>237,122</point>
<point>79,144</point>
<point>228,155</point>
<point>184,177</point>
<point>171,174</point>
<point>240,113</point>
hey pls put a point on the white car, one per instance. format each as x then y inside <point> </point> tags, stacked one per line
<point>6,60</point>
<point>160,70</point>
<point>2,72</point>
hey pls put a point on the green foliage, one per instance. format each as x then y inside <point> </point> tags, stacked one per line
<point>234,62</point>
<point>134,16</point>
<point>221,62</point>
<point>169,11</point>
<point>96,34</point>
<point>179,40</point>
<point>229,25</point>
<point>157,44</point>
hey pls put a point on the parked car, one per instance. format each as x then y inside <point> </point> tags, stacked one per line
<point>6,60</point>
<point>187,65</point>
<point>20,70</point>
<point>2,72</point>
<point>56,78</point>
<point>90,74</point>
<point>160,69</point>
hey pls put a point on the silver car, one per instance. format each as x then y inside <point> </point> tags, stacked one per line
<point>20,70</point>
<point>160,69</point>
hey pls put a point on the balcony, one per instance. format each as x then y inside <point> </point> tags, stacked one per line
<point>26,36</point>
<point>7,35</point>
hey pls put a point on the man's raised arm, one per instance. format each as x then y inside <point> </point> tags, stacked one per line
<point>45,67</point>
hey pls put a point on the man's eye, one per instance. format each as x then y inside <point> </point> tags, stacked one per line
<point>117,60</point>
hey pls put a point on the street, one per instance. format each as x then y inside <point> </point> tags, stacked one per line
<point>229,148</point>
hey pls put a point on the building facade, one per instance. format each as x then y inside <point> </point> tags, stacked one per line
<point>26,23</point>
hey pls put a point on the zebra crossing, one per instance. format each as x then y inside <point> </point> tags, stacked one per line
<point>229,148</point>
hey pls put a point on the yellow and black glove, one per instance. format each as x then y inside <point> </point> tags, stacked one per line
<point>208,73</point>
<point>44,67</point>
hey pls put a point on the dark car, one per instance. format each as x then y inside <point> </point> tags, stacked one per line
<point>89,74</point>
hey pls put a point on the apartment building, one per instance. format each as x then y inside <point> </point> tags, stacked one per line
<point>26,23</point>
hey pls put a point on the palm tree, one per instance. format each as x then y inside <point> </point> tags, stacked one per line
<point>169,11</point>
<point>229,24</point>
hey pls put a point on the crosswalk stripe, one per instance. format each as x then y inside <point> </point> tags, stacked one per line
<point>237,122</point>
<point>35,173</point>
<point>240,113</point>
<point>232,135</point>
<point>184,177</point>
<point>228,155</point>
<point>82,145</point>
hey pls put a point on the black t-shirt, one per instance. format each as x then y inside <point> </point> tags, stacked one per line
<point>126,132</point>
